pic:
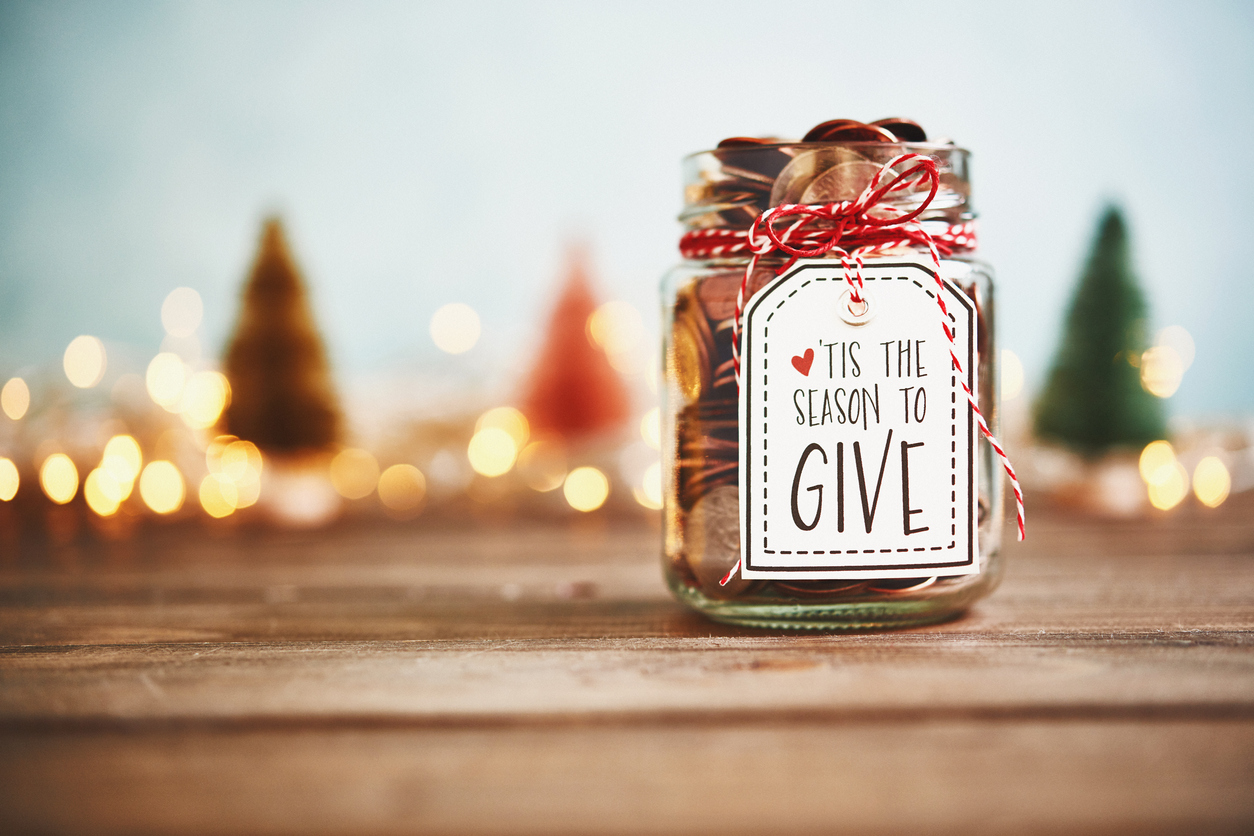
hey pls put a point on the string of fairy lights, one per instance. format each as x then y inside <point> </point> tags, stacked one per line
<point>234,474</point>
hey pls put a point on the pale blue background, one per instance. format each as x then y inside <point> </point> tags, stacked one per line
<point>426,153</point>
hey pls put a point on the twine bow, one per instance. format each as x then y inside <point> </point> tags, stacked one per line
<point>853,228</point>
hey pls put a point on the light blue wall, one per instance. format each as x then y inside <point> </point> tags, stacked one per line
<point>425,154</point>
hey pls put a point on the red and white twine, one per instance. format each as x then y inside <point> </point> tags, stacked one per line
<point>852,230</point>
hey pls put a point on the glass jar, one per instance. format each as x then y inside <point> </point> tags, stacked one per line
<point>727,189</point>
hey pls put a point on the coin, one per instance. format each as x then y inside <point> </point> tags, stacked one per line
<point>844,181</point>
<point>689,357</point>
<point>718,294</point>
<point>901,586</point>
<point>856,133</point>
<point>708,447</point>
<point>906,130</point>
<point>713,541</point>
<point>739,216</point>
<point>821,589</point>
<point>797,176</point>
<point>752,162</point>
<point>745,141</point>
<point>742,177</point>
<point>820,130</point>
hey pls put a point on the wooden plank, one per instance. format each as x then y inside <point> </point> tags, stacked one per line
<point>949,777</point>
<point>544,681</point>
<point>583,636</point>
<point>429,600</point>
<point>1179,674</point>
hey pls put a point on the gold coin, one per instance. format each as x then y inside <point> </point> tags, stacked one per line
<point>687,362</point>
<point>689,356</point>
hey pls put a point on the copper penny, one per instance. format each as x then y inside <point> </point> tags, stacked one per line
<point>820,589</point>
<point>805,168</point>
<point>900,586</point>
<point>844,181</point>
<point>817,133</point>
<point>744,141</point>
<point>856,133</point>
<point>906,130</point>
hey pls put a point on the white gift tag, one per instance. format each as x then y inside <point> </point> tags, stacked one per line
<point>857,442</point>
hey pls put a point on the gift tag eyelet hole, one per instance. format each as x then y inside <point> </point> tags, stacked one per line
<point>855,313</point>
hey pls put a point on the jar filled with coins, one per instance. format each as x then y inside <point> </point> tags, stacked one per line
<point>863,480</point>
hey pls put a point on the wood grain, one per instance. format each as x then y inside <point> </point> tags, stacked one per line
<point>541,679</point>
<point>866,777</point>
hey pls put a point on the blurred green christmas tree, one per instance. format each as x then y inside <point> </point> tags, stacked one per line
<point>1093,400</point>
<point>282,398</point>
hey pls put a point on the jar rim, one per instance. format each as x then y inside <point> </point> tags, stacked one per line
<point>906,147</point>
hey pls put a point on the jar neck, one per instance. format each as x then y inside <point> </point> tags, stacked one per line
<point>829,238</point>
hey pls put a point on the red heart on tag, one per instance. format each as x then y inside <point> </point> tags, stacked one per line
<point>802,362</point>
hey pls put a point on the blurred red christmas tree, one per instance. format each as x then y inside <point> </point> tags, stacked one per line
<point>573,390</point>
<point>282,398</point>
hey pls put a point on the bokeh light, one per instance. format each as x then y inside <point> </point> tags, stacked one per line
<point>354,473</point>
<point>455,328</point>
<point>1161,371</point>
<point>402,488</point>
<point>1156,456</point>
<point>181,312</point>
<point>218,496</point>
<point>214,450</point>
<point>240,458</point>
<point>59,478</point>
<point>247,490</point>
<point>84,361</point>
<point>15,398</point>
<point>123,460</point>
<point>586,488</point>
<point>161,487</point>
<point>1211,481</point>
<point>1170,486</point>
<point>1180,341</point>
<point>492,451</point>
<point>102,492</point>
<point>204,397</point>
<point>1011,375</point>
<point>166,378</point>
<point>9,479</point>
<point>238,462</point>
<point>649,494</point>
<point>542,465</point>
<point>618,329</point>
<point>508,419</point>
<point>651,428</point>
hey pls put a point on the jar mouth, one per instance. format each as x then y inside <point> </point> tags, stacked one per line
<point>928,148</point>
<point>730,187</point>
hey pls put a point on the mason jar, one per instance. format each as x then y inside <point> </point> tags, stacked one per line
<point>726,189</point>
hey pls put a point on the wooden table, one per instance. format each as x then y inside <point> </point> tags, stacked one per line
<point>540,679</point>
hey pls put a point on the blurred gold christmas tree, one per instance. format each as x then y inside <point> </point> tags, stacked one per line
<point>283,399</point>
